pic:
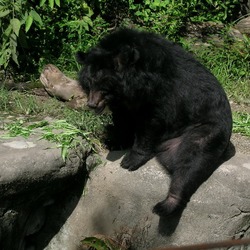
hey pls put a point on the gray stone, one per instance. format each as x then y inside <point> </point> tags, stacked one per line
<point>38,191</point>
<point>244,26</point>
<point>118,203</point>
<point>44,203</point>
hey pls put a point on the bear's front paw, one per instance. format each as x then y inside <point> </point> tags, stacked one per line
<point>132,160</point>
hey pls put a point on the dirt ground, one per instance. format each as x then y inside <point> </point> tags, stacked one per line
<point>241,143</point>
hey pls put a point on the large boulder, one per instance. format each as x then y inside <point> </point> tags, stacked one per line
<point>44,203</point>
<point>38,191</point>
<point>117,203</point>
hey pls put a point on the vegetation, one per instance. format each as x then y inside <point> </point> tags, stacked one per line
<point>34,33</point>
<point>229,62</point>
<point>241,123</point>
<point>34,117</point>
<point>65,135</point>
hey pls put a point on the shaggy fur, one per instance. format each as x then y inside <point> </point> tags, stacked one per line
<point>166,101</point>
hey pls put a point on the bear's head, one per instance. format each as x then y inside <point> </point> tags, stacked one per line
<point>103,75</point>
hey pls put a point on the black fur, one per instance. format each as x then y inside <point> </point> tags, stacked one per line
<point>164,99</point>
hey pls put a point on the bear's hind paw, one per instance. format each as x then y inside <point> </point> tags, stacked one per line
<point>132,160</point>
<point>168,207</point>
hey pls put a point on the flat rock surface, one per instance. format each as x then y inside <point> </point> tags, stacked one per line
<point>118,203</point>
<point>25,161</point>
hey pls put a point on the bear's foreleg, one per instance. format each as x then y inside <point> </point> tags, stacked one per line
<point>141,152</point>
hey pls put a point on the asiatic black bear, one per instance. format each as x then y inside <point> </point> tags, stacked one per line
<point>168,102</point>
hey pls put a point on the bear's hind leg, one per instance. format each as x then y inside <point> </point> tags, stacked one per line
<point>185,180</point>
<point>190,159</point>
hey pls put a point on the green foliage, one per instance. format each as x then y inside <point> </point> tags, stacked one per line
<point>35,33</point>
<point>72,27</point>
<point>60,132</point>
<point>112,11</point>
<point>166,17</point>
<point>66,136</point>
<point>51,3</point>
<point>169,17</point>
<point>212,10</point>
<point>88,121</point>
<point>100,244</point>
<point>18,128</point>
<point>16,18</point>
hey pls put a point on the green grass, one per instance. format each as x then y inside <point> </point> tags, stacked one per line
<point>241,123</point>
<point>24,103</point>
<point>64,134</point>
<point>230,64</point>
<point>31,108</point>
<point>22,114</point>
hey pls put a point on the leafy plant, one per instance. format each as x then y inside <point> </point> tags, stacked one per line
<point>72,27</point>
<point>101,243</point>
<point>51,3</point>
<point>64,134</point>
<point>19,129</point>
<point>166,17</point>
<point>212,10</point>
<point>64,22</point>
<point>16,20</point>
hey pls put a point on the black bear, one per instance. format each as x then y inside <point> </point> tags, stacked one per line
<point>168,102</point>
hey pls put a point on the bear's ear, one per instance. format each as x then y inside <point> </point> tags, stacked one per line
<point>80,57</point>
<point>126,57</point>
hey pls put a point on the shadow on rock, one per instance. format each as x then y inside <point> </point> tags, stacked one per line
<point>55,213</point>
<point>167,225</point>
<point>115,155</point>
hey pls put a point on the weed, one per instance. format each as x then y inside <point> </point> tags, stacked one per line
<point>16,102</point>
<point>16,129</point>
<point>4,99</point>
<point>64,134</point>
<point>101,243</point>
<point>241,123</point>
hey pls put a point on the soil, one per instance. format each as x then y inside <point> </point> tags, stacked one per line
<point>241,107</point>
<point>241,143</point>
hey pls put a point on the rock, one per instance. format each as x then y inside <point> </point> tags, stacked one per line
<point>118,204</point>
<point>42,205</point>
<point>243,26</point>
<point>38,191</point>
<point>235,34</point>
<point>62,87</point>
